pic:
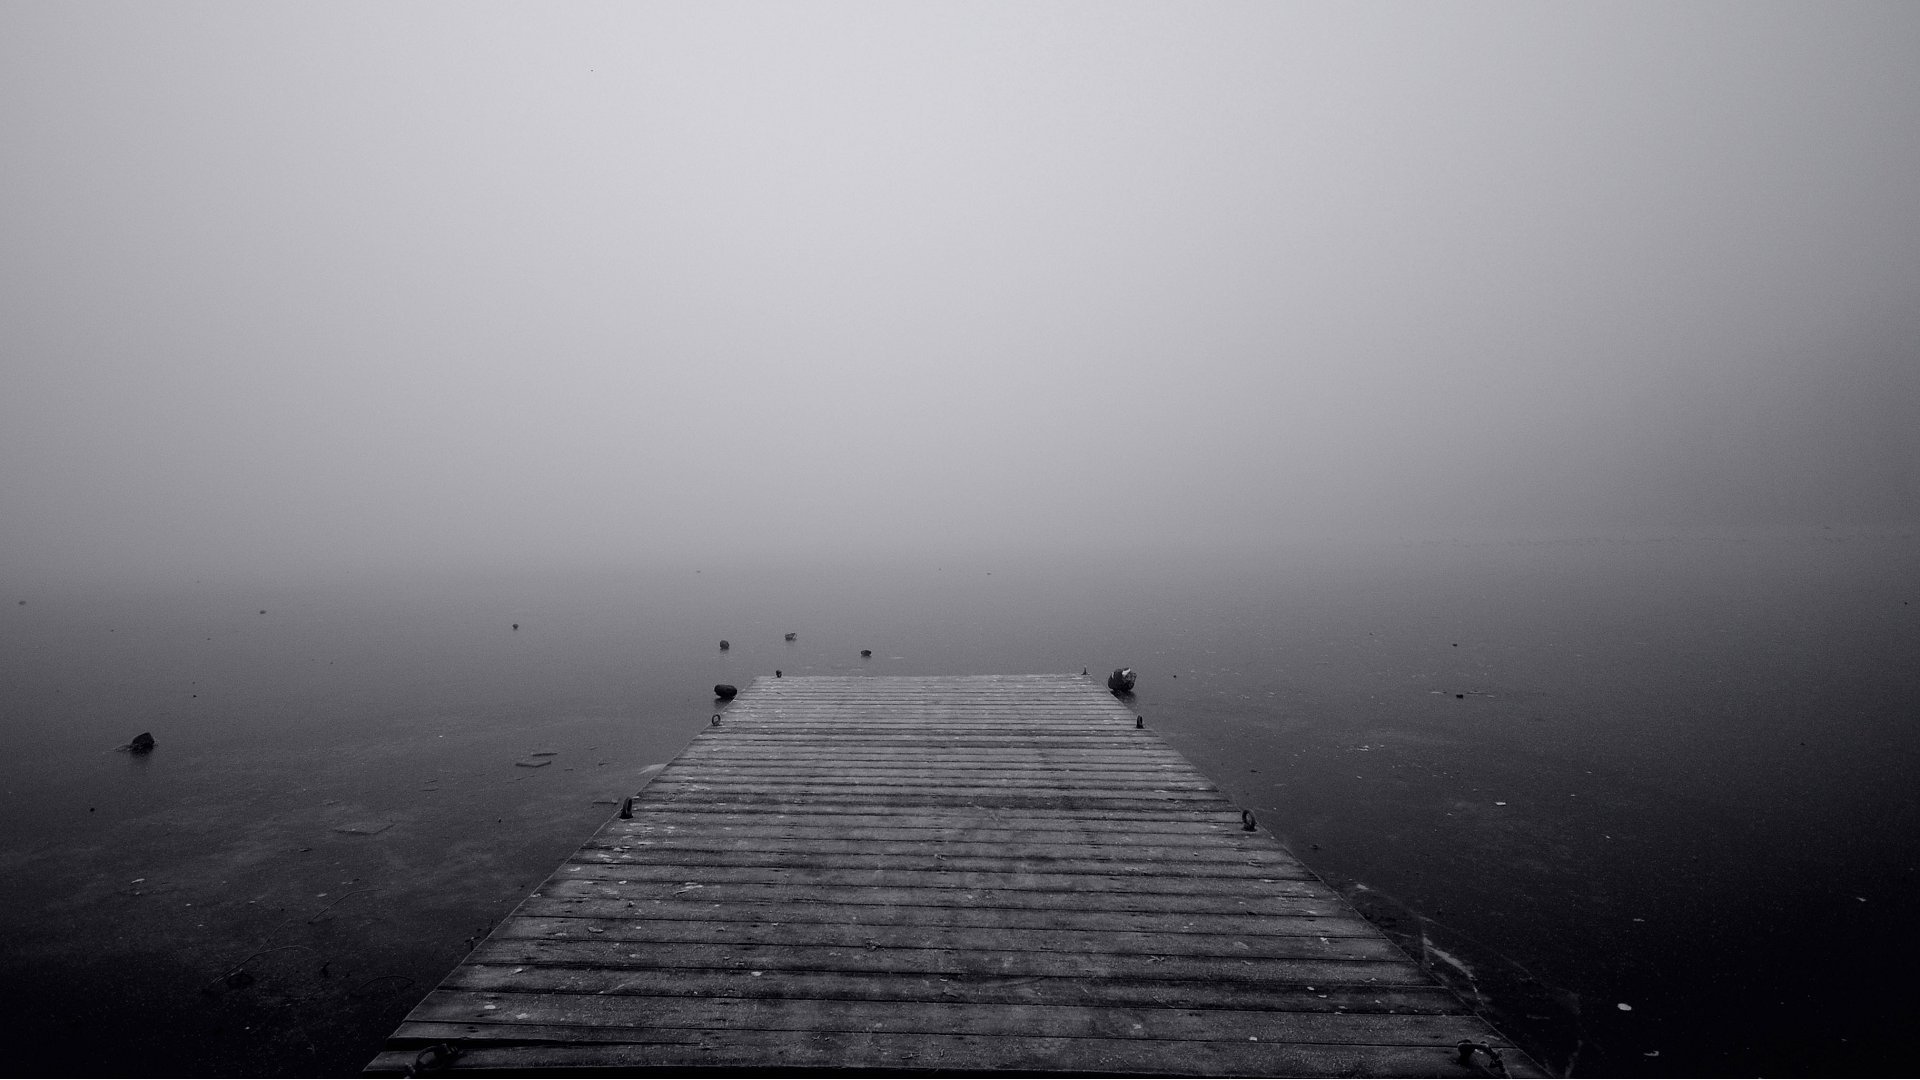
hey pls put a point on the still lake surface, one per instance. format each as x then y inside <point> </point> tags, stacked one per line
<point>1650,802</point>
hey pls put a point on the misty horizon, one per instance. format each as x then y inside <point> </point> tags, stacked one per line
<point>433,286</point>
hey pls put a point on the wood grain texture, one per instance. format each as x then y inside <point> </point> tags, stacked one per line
<point>963,873</point>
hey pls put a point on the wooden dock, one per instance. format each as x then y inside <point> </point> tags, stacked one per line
<point>972,873</point>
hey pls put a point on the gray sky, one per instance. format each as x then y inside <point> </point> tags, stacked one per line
<point>424,283</point>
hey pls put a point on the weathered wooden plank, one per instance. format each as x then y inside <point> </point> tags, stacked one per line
<point>929,766</point>
<point>1017,725</point>
<point>1271,943</point>
<point>614,955</point>
<point>1055,1021</point>
<point>1170,828</point>
<point>1119,757</point>
<point>546,1047</point>
<point>723,784</point>
<point>800,872</point>
<point>661,862</point>
<point>663,846</point>
<point>958,873</point>
<point>997,777</point>
<point>772,848</point>
<point>949,764</point>
<point>1186,820</point>
<point>1089,755</point>
<point>919,766</point>
<point>1275,901</point>
<point>1292,917</point>
<point>1145,802</point>
<point>966,946</point>
<point>1030,738</point>
<point>923,986</point>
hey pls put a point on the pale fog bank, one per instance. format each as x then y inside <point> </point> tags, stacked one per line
<point>330,287</point>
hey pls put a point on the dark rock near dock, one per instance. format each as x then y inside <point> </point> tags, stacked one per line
<point>1122,680</point>
<point>141,744</point>
<point>725,691</point>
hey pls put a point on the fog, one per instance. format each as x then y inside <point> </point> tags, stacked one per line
<point>348,285</point>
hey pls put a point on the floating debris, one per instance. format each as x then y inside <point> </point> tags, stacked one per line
<point>363,828</point>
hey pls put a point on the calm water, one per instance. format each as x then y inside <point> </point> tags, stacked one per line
<point>1675,775</point>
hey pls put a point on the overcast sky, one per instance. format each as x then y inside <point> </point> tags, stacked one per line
<point>542,283</point>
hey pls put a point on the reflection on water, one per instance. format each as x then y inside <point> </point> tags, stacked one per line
<point>1650,803</point>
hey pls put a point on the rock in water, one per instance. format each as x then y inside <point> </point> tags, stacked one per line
<point>1122,680</point>
<point>725,691</point>
<point>866,652</point>
<point>141,744</point>
<point>725,644</point>
<point>790,637</point>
